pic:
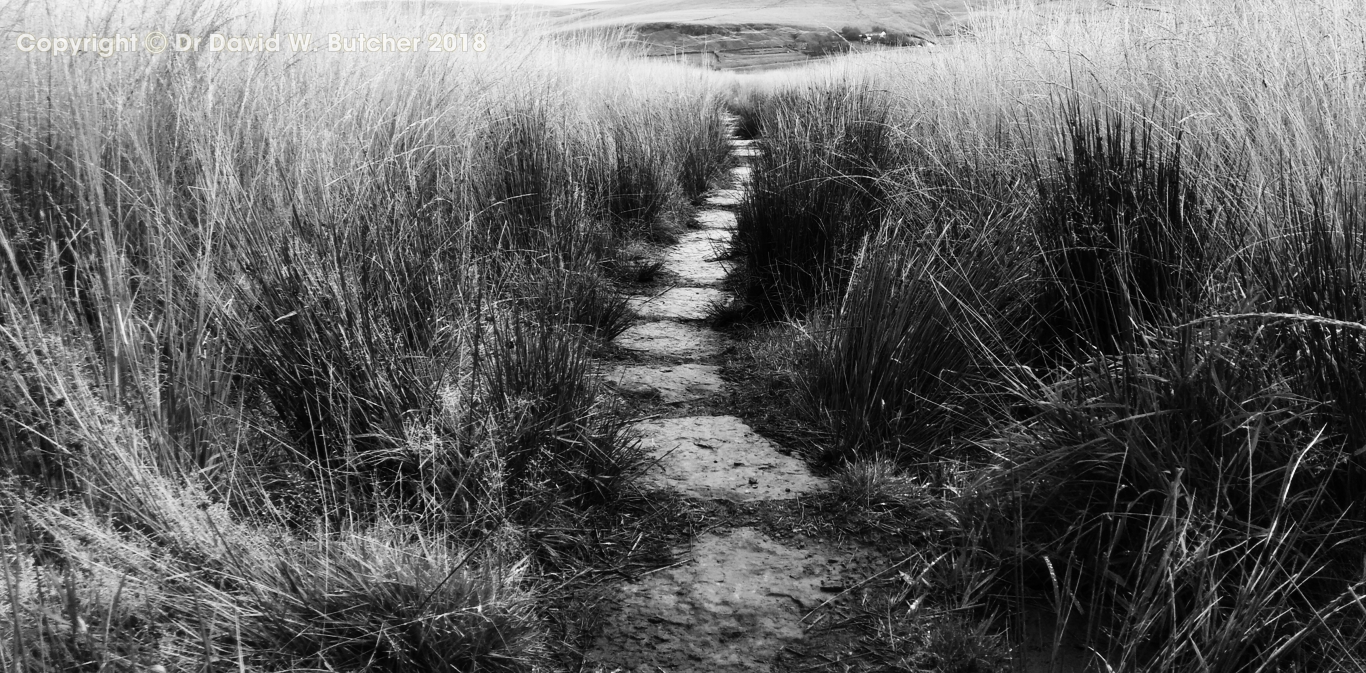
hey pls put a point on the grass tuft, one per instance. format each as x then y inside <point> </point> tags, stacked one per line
<point>815,193</point>
<point>557,440</point>
<point>1122,229</point>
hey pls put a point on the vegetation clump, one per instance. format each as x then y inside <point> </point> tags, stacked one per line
<point>1112,329</point>
<point>815,194</point>
<point>296,351</point>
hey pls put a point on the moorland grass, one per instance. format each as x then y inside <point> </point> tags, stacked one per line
<point>296,348</point>
<point>815,193</point>
<point>1112,301</point>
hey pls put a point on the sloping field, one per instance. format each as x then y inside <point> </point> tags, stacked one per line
<point>832,14</point>
<point>751,34</point>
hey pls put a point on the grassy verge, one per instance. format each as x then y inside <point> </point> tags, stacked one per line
<point>296,347</point>
<point>1107,310</point>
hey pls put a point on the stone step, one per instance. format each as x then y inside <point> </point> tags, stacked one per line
<point>715,238</point>
<point>716,220</point>
<point>730,608</point>
<point>693,259</point>
<point>671,339</point>
<point>680,303</point>
<point>721,457</point>
<point>724,198</point>
<point>666,383</point>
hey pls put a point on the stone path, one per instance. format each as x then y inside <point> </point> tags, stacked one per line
<point>735,599</point>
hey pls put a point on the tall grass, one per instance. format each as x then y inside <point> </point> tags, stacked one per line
<point>1121,228</point>
<point>816,192</point>
<point>1315,267</point>
<point>296,346</point>
<point>1182,503</point>
<point>903,363</point>
<point>1112,299</point>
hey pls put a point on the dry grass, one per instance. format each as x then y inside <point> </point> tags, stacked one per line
<point>1114,305</point>
<point>296,346</point>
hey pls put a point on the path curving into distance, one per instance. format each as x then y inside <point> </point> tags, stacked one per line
<point>734,599</point>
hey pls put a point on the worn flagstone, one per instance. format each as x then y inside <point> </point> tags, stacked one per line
<point>721,457</point>
<point>679,303</point>
<point>667,383</point>
<point>667,338</point>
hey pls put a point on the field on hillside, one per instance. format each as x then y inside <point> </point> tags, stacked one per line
<point>829,14</point>
<point>300,348</point>
<point>765,35</point>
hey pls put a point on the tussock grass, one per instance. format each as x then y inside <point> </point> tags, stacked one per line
<point>1111,307</point>
<point>876,483</point>
<point>553,437</point>
<point>636,189</point>
<point>1315,268</point>
<point>294,349</point>
<point>905,361</point>
<point>1121,228</point>
<point>815,192</point>
<point>747,104</point>
<point>702,150</point>
<point>1134,489</point>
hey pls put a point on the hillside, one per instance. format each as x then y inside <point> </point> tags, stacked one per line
<point>751,34</point>
<point>926,16</point>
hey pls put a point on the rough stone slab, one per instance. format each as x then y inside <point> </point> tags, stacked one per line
<point>698,246</point>
<point>715,239</point>
<point>743,148</point>
<point>668,338</point>
<point>680,303</point>
<point>741,174</point>
<point>669,383</point>
<point>724,197</point>
<point>716,219</point>
<point>721,457</point>
<point>692,271</point>
<point>693,259</point>
<point>731,608</point>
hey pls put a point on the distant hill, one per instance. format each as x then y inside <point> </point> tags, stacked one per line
<point>741,34</point>
<point>913,16</point>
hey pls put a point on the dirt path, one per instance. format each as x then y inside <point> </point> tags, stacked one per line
<point>732,600</point>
